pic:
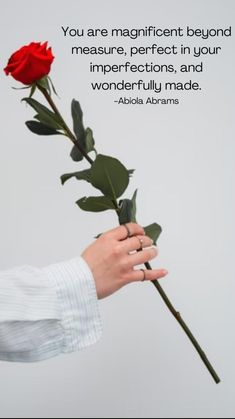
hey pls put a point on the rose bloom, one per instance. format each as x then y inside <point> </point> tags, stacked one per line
<point>30,63</point>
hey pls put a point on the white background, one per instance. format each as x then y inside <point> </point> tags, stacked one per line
<point>184,157</point>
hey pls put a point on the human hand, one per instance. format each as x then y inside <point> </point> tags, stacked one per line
<point>113,259</point>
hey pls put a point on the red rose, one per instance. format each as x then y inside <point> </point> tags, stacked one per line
<point>31,63</point>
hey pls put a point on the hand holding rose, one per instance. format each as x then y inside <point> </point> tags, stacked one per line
<point>114,256</point>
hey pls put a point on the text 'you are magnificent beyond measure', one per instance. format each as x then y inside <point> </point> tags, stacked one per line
<point>148,31</point>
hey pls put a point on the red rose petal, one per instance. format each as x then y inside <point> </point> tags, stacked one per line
<point>30,63</point>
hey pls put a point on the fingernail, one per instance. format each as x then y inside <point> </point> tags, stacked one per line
<point>165,272</point>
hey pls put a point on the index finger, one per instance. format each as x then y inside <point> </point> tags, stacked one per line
<point>121,233</point>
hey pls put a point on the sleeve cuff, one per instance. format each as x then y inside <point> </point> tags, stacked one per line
<point>76,291</point>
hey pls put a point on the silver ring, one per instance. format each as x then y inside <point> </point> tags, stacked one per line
<point>129,235</point>
<point>144,272</point>
<point>141,243</point>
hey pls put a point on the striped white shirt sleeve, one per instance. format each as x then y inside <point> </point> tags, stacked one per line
<point>47,312</point>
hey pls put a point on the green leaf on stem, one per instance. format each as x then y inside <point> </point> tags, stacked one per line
<point>41,129</point>
<point>84,175</point>
<point>76,154</point>
<point>48,120</point>
<point>21,88</point>
<point>90,142</point>
<point>52,86</point>
<point>109,176</point>
<point>44,83</point>
<point>78,126</point>
<point>96,204</point>
<point>128,210</point>
<point>84,136</point>
<point>153,231</point>
<point>134,213</point>
<point>33,90</point>
<point>44,115</point>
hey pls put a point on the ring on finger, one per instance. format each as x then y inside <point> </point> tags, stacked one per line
<point>144,272</point>
<point>141,243</point>
<point>129,235</point>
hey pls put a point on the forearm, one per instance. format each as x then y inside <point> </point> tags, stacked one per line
<point>46,312</point>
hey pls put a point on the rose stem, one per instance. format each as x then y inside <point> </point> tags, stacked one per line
<point>186,329</point>
<point>65,126</point>
<point>156,283</point>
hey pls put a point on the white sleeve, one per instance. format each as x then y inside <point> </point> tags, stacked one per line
<point>47,312</point>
